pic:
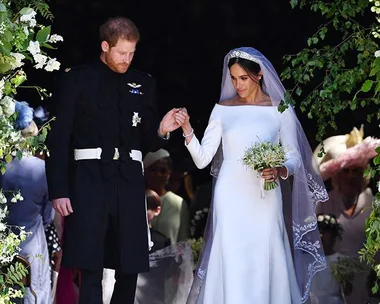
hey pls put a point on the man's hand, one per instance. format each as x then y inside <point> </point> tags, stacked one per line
<point>169,122</point>
<point>56,259</point>
<point>62,206</point>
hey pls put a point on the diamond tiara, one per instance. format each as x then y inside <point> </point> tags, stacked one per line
<point>241,54</point>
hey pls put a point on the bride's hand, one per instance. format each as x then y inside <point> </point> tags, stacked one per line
<point>183,118</point>
<point>271,174</point>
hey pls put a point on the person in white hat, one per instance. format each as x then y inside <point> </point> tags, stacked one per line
<point>345,159</point>
<point>173,221</point>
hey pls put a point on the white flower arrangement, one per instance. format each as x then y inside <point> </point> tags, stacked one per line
<point>262,155</point>
<point>21,38</point>
<point>376,9</point>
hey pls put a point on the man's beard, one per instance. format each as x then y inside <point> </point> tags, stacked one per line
<point>117,67</point>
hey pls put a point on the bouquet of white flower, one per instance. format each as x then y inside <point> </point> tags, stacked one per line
<point>264,155</point>
<point>22,41</point>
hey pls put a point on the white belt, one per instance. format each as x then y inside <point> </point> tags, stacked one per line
<point>95,153</point>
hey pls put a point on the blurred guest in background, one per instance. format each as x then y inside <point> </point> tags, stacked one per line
<point>173,220</point>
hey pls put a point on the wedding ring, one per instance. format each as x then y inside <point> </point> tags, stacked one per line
<point>273,176</point>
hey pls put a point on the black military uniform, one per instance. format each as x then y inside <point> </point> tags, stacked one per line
<point>96,107</point>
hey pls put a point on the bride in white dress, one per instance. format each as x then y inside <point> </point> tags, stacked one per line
<point>248,258</point>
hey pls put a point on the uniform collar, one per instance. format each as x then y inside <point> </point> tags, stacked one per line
<point>105,70</point>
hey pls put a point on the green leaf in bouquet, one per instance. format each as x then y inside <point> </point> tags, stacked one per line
<point>8,158</point>
<point>8,35</point>
<point>19,155</point>
<point>270,186</point>
<point>3,8</point>
<point>4,66</point>
<point>5,48</point>
<point>367,85</point>
<point>43,34</point>
<point>18,80</point>
<point>3,15</point>
<point>26,11</point>
<point>48,46</point>
<point>7,90</point>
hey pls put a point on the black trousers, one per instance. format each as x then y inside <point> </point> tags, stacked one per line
<point>90,291</point>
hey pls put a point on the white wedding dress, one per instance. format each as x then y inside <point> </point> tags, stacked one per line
<point>250,260</point>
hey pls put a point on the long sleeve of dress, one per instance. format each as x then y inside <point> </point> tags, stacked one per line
<point>202,153</point>
<point>288,138</point>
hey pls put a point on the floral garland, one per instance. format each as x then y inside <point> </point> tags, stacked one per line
<point>196,230</point>
<point>22,41</point>
<point>371,246</point>
<point>329,221</point>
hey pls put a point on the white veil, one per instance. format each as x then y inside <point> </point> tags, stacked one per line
<point>301,193</point>
<point>168,280</point>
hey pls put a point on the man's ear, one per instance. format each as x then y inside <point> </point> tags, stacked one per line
<point>105,46</point>
<point>158,211</point>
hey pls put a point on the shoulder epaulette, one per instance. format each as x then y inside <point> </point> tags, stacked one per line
<point>74,68</point>
<point>142,73</point>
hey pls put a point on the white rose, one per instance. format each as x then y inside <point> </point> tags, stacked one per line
<point>197,217</point>
<point>377,53</point>
<point>3,199</point>
<point>327,217</point>
<point>29,17</point>
<point>333,221</point>
<point>8,104</point>
<point>378,186</point>
<point>2,227</point>
<point>52,65</point>
<point>32,23</point>
<point>55,38</point>
<point>320,218</point>
<point>40,60</point>
<point>34,47</point>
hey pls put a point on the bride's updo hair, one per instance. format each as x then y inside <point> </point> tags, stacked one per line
<point>251,67</point>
